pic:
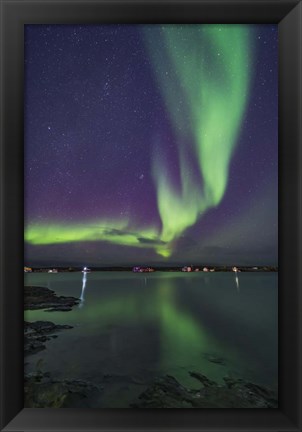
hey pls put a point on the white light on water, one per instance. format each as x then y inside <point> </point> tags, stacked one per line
<point>237,283</point>
<point>84,279</point>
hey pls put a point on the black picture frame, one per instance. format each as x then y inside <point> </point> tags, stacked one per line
<point>288,15</point>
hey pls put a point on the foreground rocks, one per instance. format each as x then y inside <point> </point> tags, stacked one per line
<point>44,298</point>
<point>41,391</point>
<point>37,333</point>
<point>167,392</point>
<point>213,359</point>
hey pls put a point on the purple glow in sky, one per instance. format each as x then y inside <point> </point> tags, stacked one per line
<point>151,144</point>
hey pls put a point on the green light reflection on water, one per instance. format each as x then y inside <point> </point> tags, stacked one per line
<point>182,338</point>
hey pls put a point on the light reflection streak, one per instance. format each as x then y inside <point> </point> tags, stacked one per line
<point>237,283</point>
<point>82,298</point>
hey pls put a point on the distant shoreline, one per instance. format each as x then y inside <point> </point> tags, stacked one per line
<point>160,269</point>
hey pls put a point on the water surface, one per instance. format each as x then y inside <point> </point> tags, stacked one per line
<point>130,328</point>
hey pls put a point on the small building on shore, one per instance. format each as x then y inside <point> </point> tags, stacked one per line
<point>186,269</point>
<point>28,270</point>
<point>138,269</point>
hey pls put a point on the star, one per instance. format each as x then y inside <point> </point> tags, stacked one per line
<point>137,118</point>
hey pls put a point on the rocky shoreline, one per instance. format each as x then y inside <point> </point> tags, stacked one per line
<point>42,391</point>
<point>43,298</point>
<point>37,333</point>
<point>167,392</point>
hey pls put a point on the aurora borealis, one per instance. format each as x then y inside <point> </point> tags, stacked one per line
<point>206,98</point>
<point>151,144</point>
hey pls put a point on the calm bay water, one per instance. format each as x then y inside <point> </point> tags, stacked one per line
<point>135,327</point>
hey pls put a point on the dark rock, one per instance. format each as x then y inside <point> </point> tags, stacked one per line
<point>167,392</point>
<point>41,391</point>
<point>60,309</point>
<point>203,379</point>
<point>213,359</point>
<point>231,382</point>
<point>258,396</point>
<point>37,333</point>
<point>43,327</point>
<point>32,346</point>
<point>44,298</point>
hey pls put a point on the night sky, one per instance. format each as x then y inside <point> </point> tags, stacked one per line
<point>151,144</point>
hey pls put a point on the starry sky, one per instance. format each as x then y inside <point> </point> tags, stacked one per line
<point>151,144</point>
